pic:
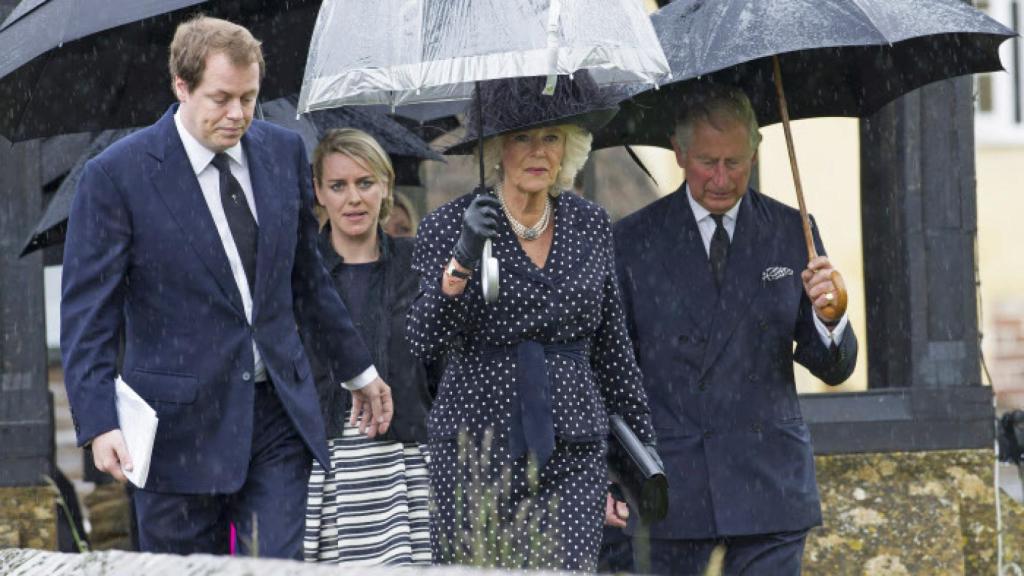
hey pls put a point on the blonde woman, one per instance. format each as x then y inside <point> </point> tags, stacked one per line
<point>372,507</point>
<point>544,366</point>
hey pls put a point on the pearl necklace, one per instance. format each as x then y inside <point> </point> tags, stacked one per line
<point>521,230</point>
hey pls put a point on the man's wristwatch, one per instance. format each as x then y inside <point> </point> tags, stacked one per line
<point>454,272</point>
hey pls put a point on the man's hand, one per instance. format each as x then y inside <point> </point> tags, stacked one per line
<point>615,512</point>
<point>818,285</point>
<point>109,454</point>
<point>372,408</point>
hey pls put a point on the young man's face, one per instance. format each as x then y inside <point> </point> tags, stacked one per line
<point>717,164</point>
<point>219,110</point>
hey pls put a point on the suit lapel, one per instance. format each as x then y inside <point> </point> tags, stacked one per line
<point>266,194</point>
<point>178,187</point>
<point>749,252</point>
<point>685,261</point>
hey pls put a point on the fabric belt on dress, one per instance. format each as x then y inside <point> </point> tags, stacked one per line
<point>532,428</point>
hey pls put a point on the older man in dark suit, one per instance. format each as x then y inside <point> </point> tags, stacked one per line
<point>717,289</point>
<point>195,239</point>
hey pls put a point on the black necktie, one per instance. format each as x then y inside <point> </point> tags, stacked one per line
<point>240,220</point>
<point>718,253</point>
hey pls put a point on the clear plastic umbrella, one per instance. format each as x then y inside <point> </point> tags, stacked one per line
<point>397,52</point>
<point>404,53</point>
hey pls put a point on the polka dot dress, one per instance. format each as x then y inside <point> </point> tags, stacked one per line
<point>573,299</point>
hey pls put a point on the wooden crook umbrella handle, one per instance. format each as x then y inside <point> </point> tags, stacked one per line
<point>837,307</point>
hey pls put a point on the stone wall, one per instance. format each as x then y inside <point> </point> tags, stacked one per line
<point>911,513</point>
<point>28,518</point>
<point>928,513</point>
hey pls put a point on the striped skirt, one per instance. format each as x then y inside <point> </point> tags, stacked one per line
<point>372,507</point>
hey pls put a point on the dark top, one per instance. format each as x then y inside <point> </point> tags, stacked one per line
<point>353,284</point>
<point>378,296</point>
<point>572,301</point>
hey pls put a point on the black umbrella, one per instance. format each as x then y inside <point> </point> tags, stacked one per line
<point>395,138</point>
<point>838,57</point>
<point>52,227</point>
<point>398,141</point>
<point>90,65</point>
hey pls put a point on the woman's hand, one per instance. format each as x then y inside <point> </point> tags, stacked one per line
<point>479,222</point>
<point>616,513</point>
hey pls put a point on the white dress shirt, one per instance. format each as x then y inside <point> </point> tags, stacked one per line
<point>706,225</point>
<point>201,159</point>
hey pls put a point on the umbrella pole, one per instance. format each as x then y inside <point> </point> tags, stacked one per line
<point>480,134</point>
<point>835,309</point>
<point>489,276</point>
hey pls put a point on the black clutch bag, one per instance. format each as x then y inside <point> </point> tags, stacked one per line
<point>639,474</point>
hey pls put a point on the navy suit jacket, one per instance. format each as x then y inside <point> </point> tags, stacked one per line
<point>143,258</point>
<point>719,369</point>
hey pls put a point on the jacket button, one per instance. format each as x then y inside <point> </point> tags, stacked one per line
<point>707,434</point>
<point>246,376</point>
<point>702,385</point>
<point>755,428</point>
<point>752,377</point>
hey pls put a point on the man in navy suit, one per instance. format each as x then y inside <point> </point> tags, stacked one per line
<point>717,289</point>
<point>194,241</point>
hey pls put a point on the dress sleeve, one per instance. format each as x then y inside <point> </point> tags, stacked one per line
<point>612,358</point>
<point>436,319</point>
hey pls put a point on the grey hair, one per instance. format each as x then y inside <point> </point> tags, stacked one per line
<point>577,149</point>
<point>713,103</point>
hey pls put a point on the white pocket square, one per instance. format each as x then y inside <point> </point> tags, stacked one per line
<point>773,273</point>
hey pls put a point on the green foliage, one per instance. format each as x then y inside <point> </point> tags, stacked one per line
<point>496,525</point>
<point>80,543</point>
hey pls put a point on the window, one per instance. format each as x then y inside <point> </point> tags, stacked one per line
<point>999,96</point>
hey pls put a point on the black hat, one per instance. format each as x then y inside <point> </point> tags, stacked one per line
<point>515,104</point>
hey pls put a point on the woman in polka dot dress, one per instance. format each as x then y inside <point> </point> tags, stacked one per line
<point>544,365</point>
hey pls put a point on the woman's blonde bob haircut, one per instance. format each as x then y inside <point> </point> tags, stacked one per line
<point>577,149</point>
<point>365,151</point>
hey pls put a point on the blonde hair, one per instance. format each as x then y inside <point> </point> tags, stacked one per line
<point>577,149</point>
<point>402,201</point>
<point>201,36</point>
<point>366,151</point>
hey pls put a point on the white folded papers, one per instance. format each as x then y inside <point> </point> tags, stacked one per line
<point>138,426</point>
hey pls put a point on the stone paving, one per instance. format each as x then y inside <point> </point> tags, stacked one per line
<point>20,562</point>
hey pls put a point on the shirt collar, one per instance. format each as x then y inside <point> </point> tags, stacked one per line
<point>700,212</point>
<point>200,156</point>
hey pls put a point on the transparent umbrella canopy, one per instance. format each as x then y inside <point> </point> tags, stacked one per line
<point>418,51</point>
<point>425,52</point>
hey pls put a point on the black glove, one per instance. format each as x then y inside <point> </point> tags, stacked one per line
<point>479,222</point>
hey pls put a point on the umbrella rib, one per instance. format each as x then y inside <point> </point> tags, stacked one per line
<point>874,23</point>
<point>31,94</point>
